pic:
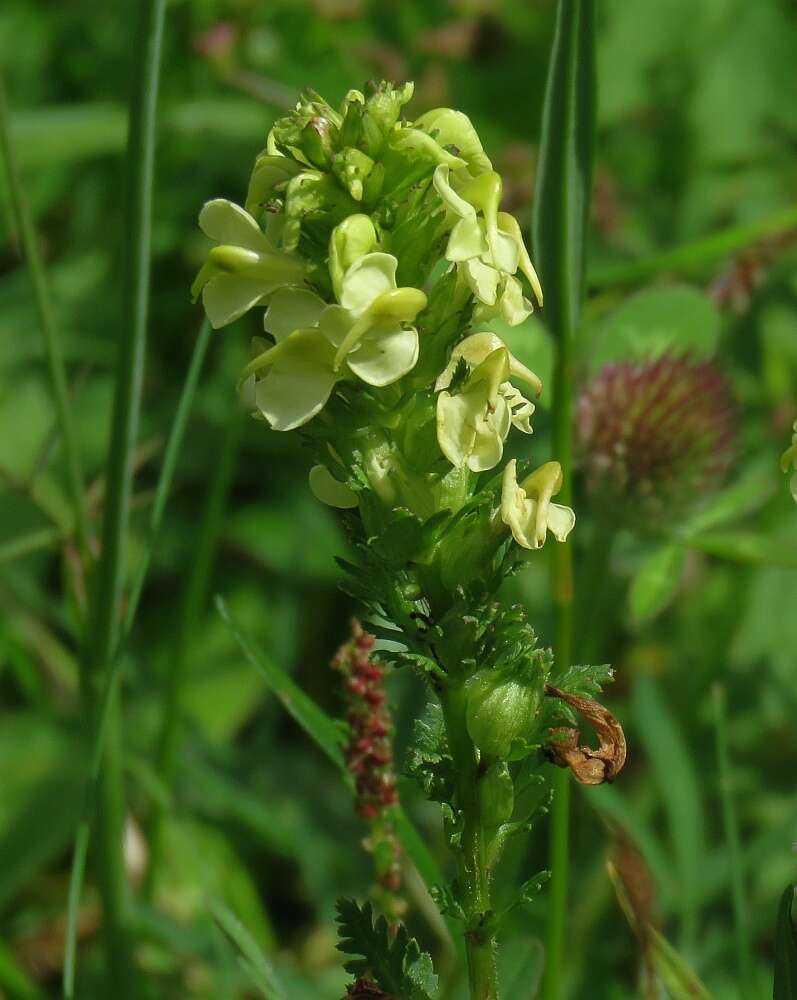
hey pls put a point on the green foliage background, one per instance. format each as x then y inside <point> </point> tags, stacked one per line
<point>697,132</point>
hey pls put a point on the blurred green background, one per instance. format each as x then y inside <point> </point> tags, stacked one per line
<point>697,135</point>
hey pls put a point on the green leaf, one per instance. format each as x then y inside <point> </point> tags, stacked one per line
<point>313,720</point>
<point>743,497</point>
<point>743,547</point>
<point>396,962</point>
<point>785,950</point>
<point>674,770</point>
<point>14,979</point>
<point>675,319</point>
<point>564,179</point>
<point>656,581</point>
<point>252,959</point>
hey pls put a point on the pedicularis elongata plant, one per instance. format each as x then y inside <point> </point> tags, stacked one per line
<point>377,253</point>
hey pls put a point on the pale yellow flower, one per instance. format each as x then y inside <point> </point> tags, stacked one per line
<point>527,510</point>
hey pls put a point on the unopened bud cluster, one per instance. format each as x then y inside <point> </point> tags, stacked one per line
<point>369,752</point>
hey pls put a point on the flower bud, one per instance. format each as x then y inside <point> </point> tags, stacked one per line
<point>496,796</point>
<point>501,707</point>
<point>317,142</point>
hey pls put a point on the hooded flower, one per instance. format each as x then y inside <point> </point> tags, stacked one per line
<point>473,424</point>
<point>290,382</point>
<point>317,345</point>
<point>526,509</point>
<point>487,247</point>
<point>244,268</point>
<point>372,325</point>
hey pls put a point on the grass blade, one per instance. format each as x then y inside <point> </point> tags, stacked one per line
<point>561,218</point>
<point>107,591</point>
<point>329,737</point>
<point>171,454</point>
<point>676,778</point>
<point>314,721</point>
<point>732,843</point>
<point>83,835</point>
<point>252,959</point>
<point>80,850</point>
<point>52,339</point>
<point>695,256</point>
<point>192,606</point>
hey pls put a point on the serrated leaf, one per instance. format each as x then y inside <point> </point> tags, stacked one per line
<point>396,963</point>
<point>656,581</point>
<point>785,987</point>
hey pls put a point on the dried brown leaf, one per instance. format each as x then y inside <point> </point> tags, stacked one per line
<point>589,767</point>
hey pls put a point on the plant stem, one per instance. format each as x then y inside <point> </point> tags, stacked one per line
<point>52,340</point>
<point>560,226</point>
<point>193,603</point>
<point>473,872</point>
<point>111,568</point>
<point>732,846</point>
<point>698,253</point>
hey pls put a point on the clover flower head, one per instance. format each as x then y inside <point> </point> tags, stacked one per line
<point>487,247</point>
<point>527,510</point>
<point>653,436</point>
<point>244,268</point>
<point>473,423</point>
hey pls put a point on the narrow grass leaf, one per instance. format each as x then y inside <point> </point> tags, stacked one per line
<point>14,981</point>
<point>564,172</point>
<point>52,338</point>
<point>675,774</point>
<point>313,720</point>
<point>328,736</point>
<point>252,959</point>
<point>170,457</point>
<point>560,224</point>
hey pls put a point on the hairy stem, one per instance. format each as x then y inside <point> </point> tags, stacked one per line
<point>473,872</point>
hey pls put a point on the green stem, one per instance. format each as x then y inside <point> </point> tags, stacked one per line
<point>562,586</point>
<point>697,253</point>
<point>473,874</point>
<point>52,340</point>
<point>732,846</point>
<point>111,568</point>
<point>193,603</point>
